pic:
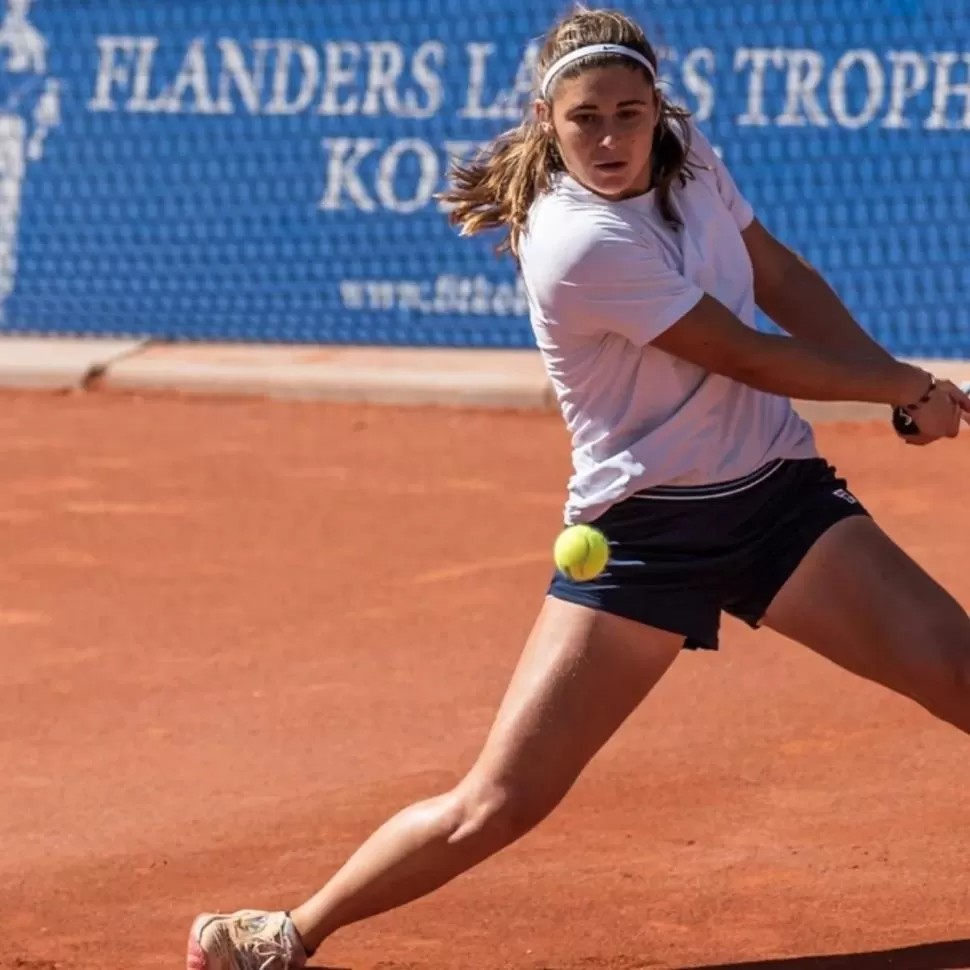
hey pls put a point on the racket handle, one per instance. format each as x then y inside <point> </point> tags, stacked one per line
<point>904,423</point>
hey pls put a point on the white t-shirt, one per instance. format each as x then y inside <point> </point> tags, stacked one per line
<point>603,280</point>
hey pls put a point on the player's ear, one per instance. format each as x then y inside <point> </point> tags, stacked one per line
<point>542,112</point>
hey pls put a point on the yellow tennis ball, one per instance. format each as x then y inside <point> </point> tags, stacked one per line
<point>581,552</point>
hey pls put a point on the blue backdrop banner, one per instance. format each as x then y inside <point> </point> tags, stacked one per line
<point>266,169</point>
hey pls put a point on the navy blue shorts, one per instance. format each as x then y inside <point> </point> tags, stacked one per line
<point>681,556</point>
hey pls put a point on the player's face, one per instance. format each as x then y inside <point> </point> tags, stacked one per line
<point>604,121</point>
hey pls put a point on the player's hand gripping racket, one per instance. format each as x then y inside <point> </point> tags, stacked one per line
<point>944,406</point>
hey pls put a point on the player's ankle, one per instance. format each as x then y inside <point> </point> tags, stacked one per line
<point>310,941</point>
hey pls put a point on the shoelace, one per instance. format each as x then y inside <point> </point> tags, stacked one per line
<point>271,949</point>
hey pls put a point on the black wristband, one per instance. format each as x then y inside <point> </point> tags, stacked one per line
<point>904,424</point>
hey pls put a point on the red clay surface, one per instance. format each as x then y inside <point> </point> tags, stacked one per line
<point>237,635</point>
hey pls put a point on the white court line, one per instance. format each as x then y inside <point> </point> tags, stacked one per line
<point>463,570</point>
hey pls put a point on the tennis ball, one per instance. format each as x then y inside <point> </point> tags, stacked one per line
<point>581,552</point>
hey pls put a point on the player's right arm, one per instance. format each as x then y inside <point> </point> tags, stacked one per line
<point>605,278</point>
<point>712,337</point>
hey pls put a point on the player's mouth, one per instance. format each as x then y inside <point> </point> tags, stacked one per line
<point>610,168</point>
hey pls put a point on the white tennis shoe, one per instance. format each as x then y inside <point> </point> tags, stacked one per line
<point>250,939</point>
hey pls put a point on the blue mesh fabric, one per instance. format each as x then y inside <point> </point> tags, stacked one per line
<point>265,170</point>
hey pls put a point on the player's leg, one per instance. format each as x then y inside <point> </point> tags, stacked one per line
<point>582,673</point>
<point>859,600</point>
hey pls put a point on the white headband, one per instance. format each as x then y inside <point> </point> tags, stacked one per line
<point>590,51</point>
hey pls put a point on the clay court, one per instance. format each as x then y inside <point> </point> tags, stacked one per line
<point>236,635</point>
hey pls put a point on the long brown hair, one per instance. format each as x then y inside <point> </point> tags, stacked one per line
<point>497,189</point>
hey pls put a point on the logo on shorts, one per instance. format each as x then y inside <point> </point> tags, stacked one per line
<point>846,496</point>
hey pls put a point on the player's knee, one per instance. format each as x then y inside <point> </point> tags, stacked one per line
<point>499,813</point>
<point>955,671</point>
<point>946,664</point>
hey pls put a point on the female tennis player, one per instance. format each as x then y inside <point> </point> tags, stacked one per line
<point>644,265</point>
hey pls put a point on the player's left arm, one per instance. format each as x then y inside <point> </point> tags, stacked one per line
<point>797,298</point>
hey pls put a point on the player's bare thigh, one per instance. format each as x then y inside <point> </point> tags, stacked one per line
<point>581,674</point>
<point>861,601</point>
